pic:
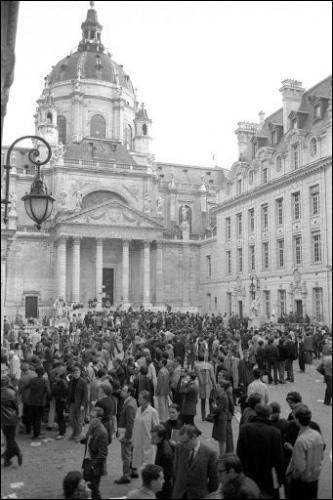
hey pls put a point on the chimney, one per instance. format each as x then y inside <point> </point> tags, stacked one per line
<point>292,92</point>
<point>245,132</point>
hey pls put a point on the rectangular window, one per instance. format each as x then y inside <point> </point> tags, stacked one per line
<point>239,224</point>
<point>314,194</point>
<point>318,303</point>
<point>282,302</point>
<point>264,175</point>
<point>252,258</point>
<point>229,303</point>
<point>316,247</point>
<point>279,211</point>
<point>267,299</point>
<point>228,261</point>
<point>295,156</point>
<point>265,255</point>
<point>296,205</point>
<point>251,220</point>
<point>280,245</point>
<point>264,217</point>
<point>228,228</point>
<point>240,260</point>
<point>298,250</point>
<point>209,266</point>
<point>239,186</point>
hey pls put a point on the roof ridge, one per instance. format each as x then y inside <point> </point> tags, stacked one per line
<point>319,83</point>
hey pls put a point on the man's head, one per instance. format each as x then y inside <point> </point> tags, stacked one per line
<point>152,477</point>
<point>263,410</point>
<point>76,372</point>
<point>228,468</point>
<point>254,399</point>
<point>144,398</point>
<point>188,436</point>
<point>256,373</point>
<point>158,434</point>
<point>293,398</point>
<point>303,416</point>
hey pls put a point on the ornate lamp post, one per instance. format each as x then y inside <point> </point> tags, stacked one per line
<point>38,204</point>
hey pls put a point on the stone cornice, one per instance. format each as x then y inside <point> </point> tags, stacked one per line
<point>274,184</point>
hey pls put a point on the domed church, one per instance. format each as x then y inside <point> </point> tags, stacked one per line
<point>125,229</point>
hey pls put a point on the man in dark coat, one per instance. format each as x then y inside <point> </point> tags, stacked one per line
<point>125,426</point>
<point>271,357</point>
<point>259,448</point>
<point>188,389</point>
<point>195,472</point>
<point>77,400</point>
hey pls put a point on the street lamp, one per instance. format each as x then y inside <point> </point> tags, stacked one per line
<point>38,203</point>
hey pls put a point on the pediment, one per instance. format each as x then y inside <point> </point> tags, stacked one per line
<point>111,213</point>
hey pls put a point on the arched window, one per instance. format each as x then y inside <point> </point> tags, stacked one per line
<point>313,146</point>
<point>185,215</point>
<point>295,156</point>
<point>49,117</point>
<point>128,137</point>
<point>144,129</point>
<point>98,127</point>
<point>278,163</point>
<point>61,122</point>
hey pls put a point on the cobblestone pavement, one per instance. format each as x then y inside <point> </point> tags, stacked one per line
<point>45,466</point>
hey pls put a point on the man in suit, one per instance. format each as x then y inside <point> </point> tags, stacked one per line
<point>77,400</point>
<point>195,472</point>
<point>125,427</point>
<point>188,390</point>
<point>259,448</point>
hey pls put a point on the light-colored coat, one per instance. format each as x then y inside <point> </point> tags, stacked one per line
<point>206,379</point>
<point>143,451</point>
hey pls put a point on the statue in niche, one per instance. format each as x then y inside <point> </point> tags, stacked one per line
<point>147,203</point>
<point>159,205</point>
<point>62,199</point>
<point>184,214</point>
<point>78,199</point>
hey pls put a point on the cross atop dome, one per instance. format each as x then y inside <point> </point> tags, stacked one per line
<point>91,32</point>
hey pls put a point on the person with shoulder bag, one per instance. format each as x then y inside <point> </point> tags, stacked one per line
<point>96,451</point>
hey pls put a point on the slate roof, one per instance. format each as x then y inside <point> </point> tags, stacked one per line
<point>99,150</point>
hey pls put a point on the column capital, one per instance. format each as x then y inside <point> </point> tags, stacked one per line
<point>61,239</point>
<point>76,240</point>
<point>99,241</point>
<point>146,243</point>
<point>159,243</point>
<point>126,241</point>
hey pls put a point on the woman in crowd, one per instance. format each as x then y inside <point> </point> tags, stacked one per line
<point>249,412</point>
<point>109,404</point>
<point>223,410</point>
<point>174,423</point>
<point>164,458</point>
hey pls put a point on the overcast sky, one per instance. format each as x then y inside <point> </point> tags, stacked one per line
<point>200,67</point>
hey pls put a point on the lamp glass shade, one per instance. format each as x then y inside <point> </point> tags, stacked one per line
<point>38,207</point>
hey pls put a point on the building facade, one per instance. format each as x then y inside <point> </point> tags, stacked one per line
<point>129,230</point>
<point>274,215</point>
<point>125,229</point>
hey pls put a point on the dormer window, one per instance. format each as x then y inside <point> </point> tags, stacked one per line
<point>251,177</point>
<point>278,163</point>
<point>295,156</point>
<point>239,186</point>
<point>317,111</point>
<point>274,137</point>
<point>264,175</point>
<point>49,118</point>
<point>144,129</point>
<point>313,146</point>
<point>293,123</point>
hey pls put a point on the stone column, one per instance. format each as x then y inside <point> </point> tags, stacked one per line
<point>99,271</point>
<point>76,270</point>
<point>61,268</point>
<point>159,273</point>
<point>125,274</point>
<point>146,274</point>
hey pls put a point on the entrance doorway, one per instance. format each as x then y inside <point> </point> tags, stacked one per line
<point>240,309</point>
<point>108,286</point>
<point>299,308</point>
<point>31,307</point>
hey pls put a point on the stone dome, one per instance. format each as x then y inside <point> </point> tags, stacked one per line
<point>92,66</point>
<point>90,61</point>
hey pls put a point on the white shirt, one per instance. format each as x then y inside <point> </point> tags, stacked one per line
<point>260,388</point>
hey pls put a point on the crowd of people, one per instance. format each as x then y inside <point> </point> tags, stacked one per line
<point>137,376</point>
